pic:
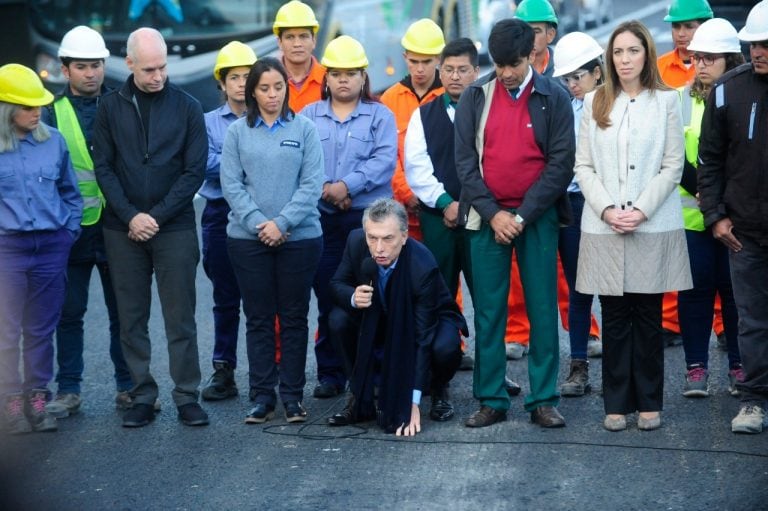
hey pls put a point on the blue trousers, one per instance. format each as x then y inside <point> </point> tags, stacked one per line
<point>226,293</point>
<point>336,228</point>
<point>276,281</point>
<point>711,274</point>
<point>579,304</point>
<point>32,286</point>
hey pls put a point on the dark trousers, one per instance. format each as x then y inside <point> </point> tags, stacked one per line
<point>579,304</point>
<point>32,286</point>
<point>226,293</point>
<point>749,274</point>
<point>446,348</point>
<point>172,256</point>
<point>276,281</point>
<point>633,353</point>
<point>336,228</point>
<point>70,333</point>
<point>711,275</point>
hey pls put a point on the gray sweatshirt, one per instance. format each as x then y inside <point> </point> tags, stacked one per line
<point>273,174</point>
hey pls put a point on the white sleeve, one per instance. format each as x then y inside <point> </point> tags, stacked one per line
<point>418,166</point>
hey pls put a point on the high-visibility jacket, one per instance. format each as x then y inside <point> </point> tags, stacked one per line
<point>69,126</point>
<point>402,101</point>
<point>310,90</point>
<point>693,112</point>
<point>673,70</point>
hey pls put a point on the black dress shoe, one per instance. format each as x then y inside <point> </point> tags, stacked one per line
<point>326,390</point>
<point>348,416</point>
<point>441,409</point>
<point>295,412</point>
<point>192,414</point>
<point>547,417</point>
<point>467,362</point>
<point>512,388</point>
<point>138,416</point>
<point>485,416</point>
<point>260,414</point>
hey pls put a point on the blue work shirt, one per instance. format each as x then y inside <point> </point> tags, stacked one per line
<point>361,151</point>
<point>38,187</point>
<point>216,123</point>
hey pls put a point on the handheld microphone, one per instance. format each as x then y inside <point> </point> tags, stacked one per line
<point>368,271</point>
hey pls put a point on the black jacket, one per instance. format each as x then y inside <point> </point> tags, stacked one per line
<point>158,174</point>
<point>733,153</point>
<point>552,118</point>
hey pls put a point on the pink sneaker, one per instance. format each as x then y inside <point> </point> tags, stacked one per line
<point>735,375</point>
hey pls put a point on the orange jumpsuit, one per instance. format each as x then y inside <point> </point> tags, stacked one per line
<point>310,90</point>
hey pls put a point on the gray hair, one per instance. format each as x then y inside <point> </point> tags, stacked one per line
<point>143,35</point>
<point>9,140</point>
<point>383,208</point>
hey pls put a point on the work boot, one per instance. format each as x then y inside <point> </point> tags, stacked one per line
<point>577,383</point>
<point>34,409</point>
<point>221,384</point>
<point>16,422</point>
<point>64,405</point>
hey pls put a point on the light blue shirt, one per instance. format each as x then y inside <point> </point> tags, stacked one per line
<point>578,107</point>
<point>216,124</point>
<point>38,187</point>
<point>361,151</point>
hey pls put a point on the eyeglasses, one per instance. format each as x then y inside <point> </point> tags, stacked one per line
<point>705,58</point>
<point>574,77</point>
<point>463,71</point>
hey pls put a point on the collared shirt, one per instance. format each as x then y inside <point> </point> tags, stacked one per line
<point>38,187</point>
<point>674,71</point>
<point>309,90</point>
<point>279,123</point>
<point>216,123</point>
<point>522,86</point>
<point>578,107</point>
<point>360,151</point>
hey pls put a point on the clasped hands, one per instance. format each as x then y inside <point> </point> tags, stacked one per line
<point>270,234</point>
<point>505,228</point>
<point>623,221</point>
<point>142,227</point>
<point>337,194</point>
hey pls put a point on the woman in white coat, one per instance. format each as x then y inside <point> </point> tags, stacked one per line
<point>629,161</point>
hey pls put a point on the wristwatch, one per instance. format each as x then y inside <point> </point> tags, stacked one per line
<point>519,219</point>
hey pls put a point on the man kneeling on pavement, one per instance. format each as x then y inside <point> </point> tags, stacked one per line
<point>395,323</point>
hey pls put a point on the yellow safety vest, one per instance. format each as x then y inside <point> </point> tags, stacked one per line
<point>69,126</point>
<point>693,112</point>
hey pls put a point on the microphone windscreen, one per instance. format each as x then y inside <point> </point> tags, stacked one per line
<point>368,270</point>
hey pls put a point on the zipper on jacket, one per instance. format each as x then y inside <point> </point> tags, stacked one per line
<point>752,121</point>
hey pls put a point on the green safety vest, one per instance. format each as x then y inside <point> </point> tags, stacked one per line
<point>69,126</point>
<point>693,112</point>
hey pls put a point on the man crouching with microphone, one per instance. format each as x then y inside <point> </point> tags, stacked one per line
<point>395,323</point>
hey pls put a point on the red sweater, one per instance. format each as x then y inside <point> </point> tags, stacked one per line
<point>512,161</point>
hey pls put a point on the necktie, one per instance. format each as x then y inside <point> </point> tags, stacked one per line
<point>514,92</point>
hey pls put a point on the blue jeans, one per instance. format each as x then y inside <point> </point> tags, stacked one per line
<point>749,275</point>
<point>711,274</point>
<point>336,228</point>
<point>276,281</point>
<point>32,279</point>
<point>226,293</point>
<point>70,332</point>
<point>579,304</point>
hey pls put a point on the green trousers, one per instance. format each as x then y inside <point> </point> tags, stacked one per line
<point>537,259</point>
<point>450,248</point>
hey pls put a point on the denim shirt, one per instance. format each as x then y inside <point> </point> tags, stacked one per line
<point>216,123</point>
<point>38,187</point>
<point>361,151</point>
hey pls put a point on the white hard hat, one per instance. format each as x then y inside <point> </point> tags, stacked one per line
<point>756,28</point>
<point>715,36</point>
<point>83,43</point>
<point>573,50</point>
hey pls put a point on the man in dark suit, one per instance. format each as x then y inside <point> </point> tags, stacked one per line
<point>395,323</point>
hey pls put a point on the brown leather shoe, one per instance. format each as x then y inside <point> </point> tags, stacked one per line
<point>485,416</point>
<point>547,417</point>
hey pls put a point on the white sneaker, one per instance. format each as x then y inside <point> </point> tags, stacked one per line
<point>515,350</point>
<point>751,419</point>
<point>64,405</point>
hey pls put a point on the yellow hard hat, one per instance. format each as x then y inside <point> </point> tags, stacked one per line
<point>344,52</point>
<point>234,54</point>
<point>21,86</point>
<point>295,14</point>
<point>425,37</point>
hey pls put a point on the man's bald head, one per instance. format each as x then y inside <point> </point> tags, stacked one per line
<point>147,58</point>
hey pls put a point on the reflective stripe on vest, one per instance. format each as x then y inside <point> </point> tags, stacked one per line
<point>69,126</point>
<point>693,112</point>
